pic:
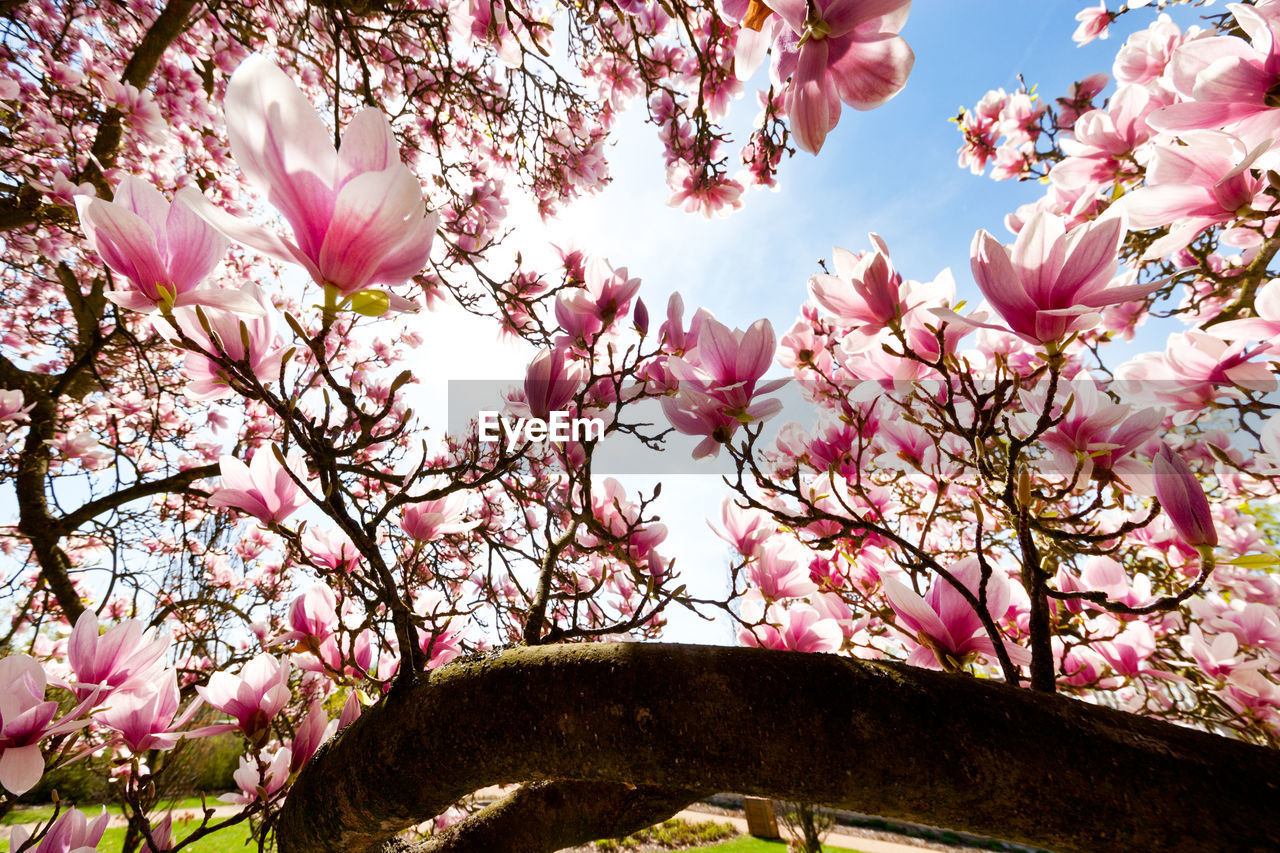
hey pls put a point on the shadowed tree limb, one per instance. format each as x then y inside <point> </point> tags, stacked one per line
<point>552,815</point>
<point>884,739</point>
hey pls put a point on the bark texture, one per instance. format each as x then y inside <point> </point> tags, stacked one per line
<point>885,739</point>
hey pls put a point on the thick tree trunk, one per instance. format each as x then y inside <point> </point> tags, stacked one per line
<point>884,739</point>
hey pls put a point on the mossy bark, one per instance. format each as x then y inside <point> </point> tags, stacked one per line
<point>884,739</point>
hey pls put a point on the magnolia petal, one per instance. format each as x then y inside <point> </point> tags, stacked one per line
<point>843,16</point>
<point>368,145</point>
<point>997,279</point>
<point>141,198</point>
<point>224,298</point>
<point>810,108</point>
<point>282,145</point>
<point>246,233</point>
<point>192,246</point>
<point>756,351</point>
<point>918,616</point>
<point>374,214</point>
<point>1091,256</point>
<point>21,768</point>
<point>124,241</point>
<point>867,73</point>
<point>131,300</point>
<point>409,258</point>
<point>1038,256</point>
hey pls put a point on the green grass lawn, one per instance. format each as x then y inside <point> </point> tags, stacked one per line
<point>36,814</point>
<point>747,844</point>
<point>229,840</point>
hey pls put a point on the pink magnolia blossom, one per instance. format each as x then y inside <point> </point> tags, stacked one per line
<point>250,339</point>
<point>1192,187</point>
<point>313,616</point>
<point>949,630</point>
<point>1079,98</point>
<point>865,290</point>
<point>443,645</point>
<point>776,575</point>
<point>351,710</point>
<point>253,696</point>
<point>161,835</point>
<point>1094,22</point>
<point>163,250</point>
<point>1195,370</point>
<point>429,520</point>
<point>260,783</point>
<point>1095,437</point>
<point>718,383</point>
<point>26,719</point>
<point>745,529</point>
<point>1129,651</point>
<point>839,50</point>
<point>441,640</point>
<point>357,214</point>
<point>72,832</point>
<point>1228,83</point>
<point>1264,325</point>
<point>551,382</point>
<point>1217,658</point>
<point>311,733</point>
<point>82,445</point>
<point>264,488</point>
<point>605,297</point>
<point>124,658</point>
<point>328,657</point>
<point>11,408</point>
<point>1103,141</point>
<point>1103,574</point>
<point>676,340</point>
<point>144,718</point>
<point>1250,693</point>
<point>803,629</point>
<point>697,191</point>
<point>331,550</point>
<point>1052,282</point>
<point>1080,665</point>
<point>1183,498</point>
<point>1146,54</point>
<point>1255,625</point>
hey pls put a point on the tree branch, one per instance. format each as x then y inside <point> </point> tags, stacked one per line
<point>553,815</point>
<point>35,521</point>
<point>884,739</point>
<point>120,497</point>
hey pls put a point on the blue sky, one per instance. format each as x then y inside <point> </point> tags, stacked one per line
<point>892,170</point>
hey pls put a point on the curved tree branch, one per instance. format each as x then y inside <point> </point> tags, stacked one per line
<point>552,815</point>
<point>179,482</point>
<point>884,739</point>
